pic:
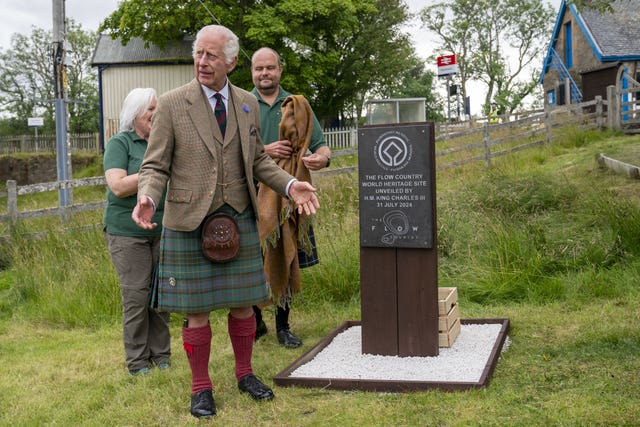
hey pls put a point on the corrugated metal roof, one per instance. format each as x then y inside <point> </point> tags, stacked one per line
<point>110,51</point>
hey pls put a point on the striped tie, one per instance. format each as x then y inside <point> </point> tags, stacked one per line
<point>221,113</point>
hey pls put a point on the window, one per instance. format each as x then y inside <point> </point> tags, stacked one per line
<point>568,46</point>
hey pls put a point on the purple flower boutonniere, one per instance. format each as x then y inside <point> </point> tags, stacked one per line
<point>245,108</point>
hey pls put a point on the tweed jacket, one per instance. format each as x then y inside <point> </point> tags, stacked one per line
<point>181,155</point>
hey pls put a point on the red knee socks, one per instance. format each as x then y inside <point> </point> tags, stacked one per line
<point>197,345</point>
<point>241,333</point>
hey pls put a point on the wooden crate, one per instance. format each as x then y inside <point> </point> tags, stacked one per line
<point>447,297</point>
<point>446,339</point>
<point>446,321</point>
<point>448,316</point>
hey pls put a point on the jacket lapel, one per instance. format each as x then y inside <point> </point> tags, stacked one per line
<point>201,116</point>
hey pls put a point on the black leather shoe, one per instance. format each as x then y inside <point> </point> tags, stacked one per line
<point>255,388</point>
<point>202,405</point>
<point>261,329</point>
<point>287,339</point>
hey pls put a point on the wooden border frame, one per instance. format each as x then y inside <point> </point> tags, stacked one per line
<point>284,379</point>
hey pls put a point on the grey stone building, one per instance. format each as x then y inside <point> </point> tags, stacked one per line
<point>587,50</point>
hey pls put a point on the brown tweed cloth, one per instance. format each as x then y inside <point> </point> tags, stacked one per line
<point>281,228</point>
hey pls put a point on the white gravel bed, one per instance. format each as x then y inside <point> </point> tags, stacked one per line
<point>462,362</point>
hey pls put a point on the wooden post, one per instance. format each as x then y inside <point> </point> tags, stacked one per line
<point>23,144</point>
<point>548,122</point>
<point>12,202</point>
<point>599,111</point>
<point>613,115</point>
<point>398,247</point>
<point>353,140</point>
<point>487,149</point>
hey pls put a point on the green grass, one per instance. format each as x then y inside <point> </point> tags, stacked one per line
<point>544,237</point>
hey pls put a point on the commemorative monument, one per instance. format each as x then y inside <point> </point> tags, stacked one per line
<point>398,263</point>
<point>398,257</point>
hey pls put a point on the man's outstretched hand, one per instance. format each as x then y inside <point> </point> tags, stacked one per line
<point>304,195</point>
<point>143,212</point>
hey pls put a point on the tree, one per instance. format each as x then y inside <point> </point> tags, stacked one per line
<point>83,81</point>
<point>26,83</point>
<point>27,74</point>
<point>455,37</point>
<point>335,52</point>
<point>497,42</point>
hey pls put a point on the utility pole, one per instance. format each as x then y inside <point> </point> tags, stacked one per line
<point>63,153</point>
<point>449,99</point>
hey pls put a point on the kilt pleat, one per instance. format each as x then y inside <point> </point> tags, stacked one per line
<point>190,283</point>
<point>307,260</point>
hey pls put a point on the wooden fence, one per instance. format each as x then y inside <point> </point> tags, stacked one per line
<point>477,144</point>
<point>341,138</point>
<point>488,141</point>
<point>337,139</point>
<point>46,143</point>
<point>13,191</point>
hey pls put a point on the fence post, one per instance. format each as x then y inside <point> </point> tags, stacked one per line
<point>23,144</point>
<point>12,202</point>
<point>487,150</point>
<point>613,115</point>
<point>547,122</point>
<point>599,111</point>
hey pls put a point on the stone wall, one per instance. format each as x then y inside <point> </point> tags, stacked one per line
<point>33,169</point>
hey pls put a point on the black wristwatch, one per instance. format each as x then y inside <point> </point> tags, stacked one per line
<point>328,161</point>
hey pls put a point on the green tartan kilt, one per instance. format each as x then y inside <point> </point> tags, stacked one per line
<point>187,282</point>
<point>309,259</point>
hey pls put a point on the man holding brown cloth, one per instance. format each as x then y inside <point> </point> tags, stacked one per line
<point>305,134</point>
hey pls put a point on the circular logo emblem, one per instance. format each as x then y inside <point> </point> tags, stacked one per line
<point>397,225</point>
<point>392,151</point>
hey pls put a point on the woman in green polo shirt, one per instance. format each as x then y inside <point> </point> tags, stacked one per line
<point>134,251</point>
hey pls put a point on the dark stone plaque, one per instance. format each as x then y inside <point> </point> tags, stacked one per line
<point>395,169</point>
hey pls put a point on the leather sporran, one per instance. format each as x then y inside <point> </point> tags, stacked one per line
<point>220,237</point>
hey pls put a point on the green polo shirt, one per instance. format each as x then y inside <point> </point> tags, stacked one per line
<point>125,150</point>
<point>270,116</point>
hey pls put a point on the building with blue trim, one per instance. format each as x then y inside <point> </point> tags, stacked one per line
<point>586,50</point>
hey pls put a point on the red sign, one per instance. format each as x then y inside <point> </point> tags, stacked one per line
<point>447,65</point>
<point>445,60</point>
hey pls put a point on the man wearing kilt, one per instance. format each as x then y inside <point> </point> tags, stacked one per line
<point>205,148</point>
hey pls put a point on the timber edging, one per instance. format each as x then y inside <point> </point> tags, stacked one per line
<point>619,167</point>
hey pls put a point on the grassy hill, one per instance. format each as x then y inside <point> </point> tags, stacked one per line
<point>544,237</point>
